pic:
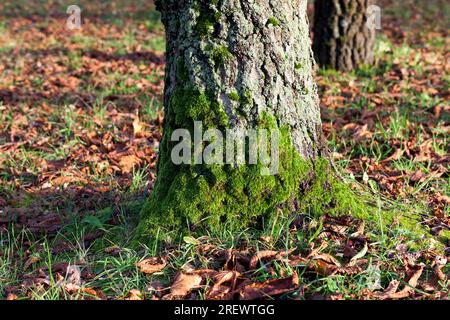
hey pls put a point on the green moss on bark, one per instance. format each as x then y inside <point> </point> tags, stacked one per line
<point>220,55</point>
<point>189,104</point>
<point>196,198</point>
<point>234,96</point>
<point>208,17</point>
<point>273,21</point>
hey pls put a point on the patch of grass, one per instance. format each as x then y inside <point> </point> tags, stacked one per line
<point>154,22</point>
<point>139,179</point>
<point>87,42</point>
<point>156,43</point>
<point>8,271</point>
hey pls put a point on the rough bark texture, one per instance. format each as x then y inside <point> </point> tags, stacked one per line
<point>237,64</point>
<point>343,39</point>
<point>258,49</point>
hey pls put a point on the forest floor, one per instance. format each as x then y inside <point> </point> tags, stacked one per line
<point>80,122</point>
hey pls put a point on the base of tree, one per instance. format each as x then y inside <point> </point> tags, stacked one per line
<point>206,198</point>
<point>198,199</point>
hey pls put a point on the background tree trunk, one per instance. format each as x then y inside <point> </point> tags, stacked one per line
<point>230,64</point>
<point>343,39</point>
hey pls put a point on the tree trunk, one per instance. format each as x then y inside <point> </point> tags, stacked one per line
<point>343,35</point>
<point>236,64</point>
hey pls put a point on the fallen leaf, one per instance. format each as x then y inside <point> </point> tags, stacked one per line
<point>73,275</point>
<point>134,295</point>
<point>440,262</point>
<point>417,176</point>
<point>391,289</point>
<point>152,265</point>
<point>183,284</point>
<point>262,255</point>
<point>112,250</point>
<point>92,292</point>
<point>31,260</point>
<point>219,290</point>
<point>137,127</point>
<point>327,258</point>
<point>205,248</point>
<point>407,291</point>
<point>268,288</point>
<point>12,296</point>
<point>128,163</point>
<point>395,156</point>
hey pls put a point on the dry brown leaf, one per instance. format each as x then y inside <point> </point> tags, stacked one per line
<point>205,248</point>
<point>65,180</point>
<point>71,287</point>
<point>112,250</point>
<point>31,260</point>
<point>325,264</point>
<point>359,232</point>
<point>157,288</point>
<point>327,258</point>
<point>417,176</point>
<point>219,290</point>
<point>138,127</point>
<point>268,288</point>
<point>11,296</point>
<point>443,198</point>
<point>128,162</point>
<point>295,261</point>
<point>440,262</point>
<point>391,293</point>
<point>315,251</point>
<point>134,295</point>
<point>205,273</point>
<point>233,259</point>
<point>266,239</point>
<point>152,265</point>
<point>363,133</point>
<point>226,276</point>
<point>93,293</point>
<point>262,255</point>
<point>73,275</point>
<point>391,289</point>
<point>268,255</point>
<point>395,156</point>
<point>322,267</point>
<point>183,284</point>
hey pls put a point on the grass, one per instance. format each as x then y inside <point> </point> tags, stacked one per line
<point>65,148</point>
<point>116,274</point>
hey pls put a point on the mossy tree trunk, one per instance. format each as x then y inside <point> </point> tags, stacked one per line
<point>237,64</point>
<point>343,38</point>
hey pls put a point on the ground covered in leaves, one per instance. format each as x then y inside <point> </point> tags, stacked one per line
<point>80,123</point>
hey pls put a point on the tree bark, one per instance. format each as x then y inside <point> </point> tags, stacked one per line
<point>343,36</point>
<point>230,64</point>
<point>272,62</point>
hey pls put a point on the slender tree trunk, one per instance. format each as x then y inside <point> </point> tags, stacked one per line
<point>343,38</point>
<point>235,64</point>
